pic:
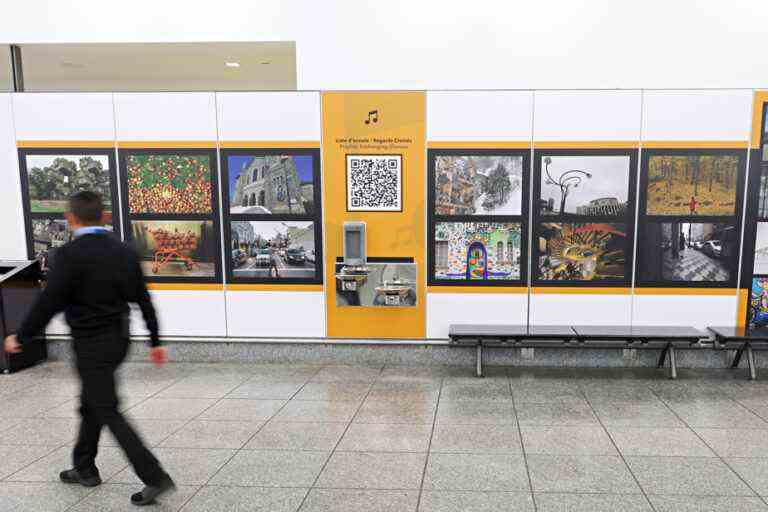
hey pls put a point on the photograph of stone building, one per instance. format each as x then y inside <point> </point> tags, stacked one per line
<point>271,184</point>
<point>478,185</point>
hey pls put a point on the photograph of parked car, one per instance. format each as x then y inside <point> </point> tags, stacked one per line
<point>273,249</point>
<point>688,252</point>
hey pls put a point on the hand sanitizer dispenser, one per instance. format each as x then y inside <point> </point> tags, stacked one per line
<point>354,244</point>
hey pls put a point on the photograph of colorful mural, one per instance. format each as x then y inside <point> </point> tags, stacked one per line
<point>275,250</point>
<point>477,250</point>
<point>478,185</point>
<point>51,179</point>
<point>175,248</point>
<point>761,249</point>
<point>692,184</point>
<point>687,251</point>
<point>169,183</point>
<point>758,303</point>
<point>585,185</point>
<point>271,184</point>
<point>582,252</point>
<point>47,236</point>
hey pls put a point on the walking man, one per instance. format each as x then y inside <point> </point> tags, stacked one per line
<point>93,279</point>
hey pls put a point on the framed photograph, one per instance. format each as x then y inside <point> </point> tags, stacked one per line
<point>175,250</point>
<point>169,181</point>
<point>274,251</point>
<point>596,253</point>
<point>691,182</point>
<point>272,182</point>
<point>691,253</point>
<point>757,315</point>
<point>761,249</point>
<point>47,236</point>
<point>584,185</point>
<point>374,183</point>
<point>478,251</point>
<point>478,184</point>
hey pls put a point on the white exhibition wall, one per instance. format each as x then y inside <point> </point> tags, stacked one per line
<point>502,117</point>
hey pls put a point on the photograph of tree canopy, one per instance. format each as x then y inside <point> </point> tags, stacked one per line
<point>692,184</point>
<point>169,183</point>
<point>588,185</point>
<point>478,185</point>
<point>51,179</point>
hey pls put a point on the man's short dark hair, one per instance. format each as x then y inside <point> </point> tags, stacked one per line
<point>87,207</point>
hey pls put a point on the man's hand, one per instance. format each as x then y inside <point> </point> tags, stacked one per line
<point>12,345</point>
<point>158,355</point>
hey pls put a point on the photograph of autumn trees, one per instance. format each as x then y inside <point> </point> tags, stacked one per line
<point>51,179</point>
<point>692,184</point>
<point>169,183</point>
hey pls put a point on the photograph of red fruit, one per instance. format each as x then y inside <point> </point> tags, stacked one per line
<point>169,183</point>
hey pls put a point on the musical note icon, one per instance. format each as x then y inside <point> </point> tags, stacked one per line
<point>373,115</point>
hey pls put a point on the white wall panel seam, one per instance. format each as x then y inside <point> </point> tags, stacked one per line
<point>118,172</point>
<point>222,228</point>
<point>638,181</point>
<point>744,209</point>
<point>18,173</point>
<point>531,167</point>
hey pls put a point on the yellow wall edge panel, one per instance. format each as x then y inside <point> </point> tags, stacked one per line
<point>741,311</point>
<point>477,289</point>
<point>696,144</point>
<point>186,286</point>
<point>161,144</point>
<point>262,144</point>
<point>398,127</point>
<point>574,290</point>
<point>65,143</point>
<point>274,287</point>
<point>686,291</point>
<point>587,144</point>
<point>477,144</point>
<point>761,97</point>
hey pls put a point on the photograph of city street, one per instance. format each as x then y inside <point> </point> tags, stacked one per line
<point>761,249</point>
<point>478,185</point>
<point>687,252</point>
<point>168,183</point>
<point>51,179</point>
<point>692,184</point>
<point>271,184</point>
<point>585,185</point>
<point>47,236</point>
<point>273,250</point>
<point>378,284</point>
<point>758,303</point>
<point>175,248</point>
<point>582,252</point>
<point>477,251</point>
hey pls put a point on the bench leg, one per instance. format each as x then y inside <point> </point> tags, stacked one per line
<point>479,359</point>
<point>751,363</point>
<point>672,363</point>
<point>737,358</point>
<point>662,357</point>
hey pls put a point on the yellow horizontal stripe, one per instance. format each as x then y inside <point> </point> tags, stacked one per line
<point>274,287</point>
<point>267,144</point>
<point>163,144</point>
<point>186,286</point>
<point>686,291</point>
<point>576,290</point>
<point>65,143</point>
<point>586,144</point>
<point>761,97</point>
<point>696,144</point>
<point>477,289</point>
<point>479,144</point>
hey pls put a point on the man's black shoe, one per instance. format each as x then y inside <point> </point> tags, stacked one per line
<point>73,476</point>
<point>150,493</point>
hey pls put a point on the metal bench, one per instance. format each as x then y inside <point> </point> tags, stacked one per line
<point>663,338</point>
<point>743,340</point>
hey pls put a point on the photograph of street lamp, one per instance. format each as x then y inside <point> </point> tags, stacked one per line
<point>584,185</point>
<point>273,249</point>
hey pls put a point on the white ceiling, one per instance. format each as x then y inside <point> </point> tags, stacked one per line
<point>159,66</point>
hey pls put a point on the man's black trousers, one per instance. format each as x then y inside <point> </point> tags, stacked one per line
<point>98,357</point>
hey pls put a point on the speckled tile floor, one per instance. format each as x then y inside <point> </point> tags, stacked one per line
<point>401,438</point>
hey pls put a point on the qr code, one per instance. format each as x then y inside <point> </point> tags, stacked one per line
<point>374,183</point>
